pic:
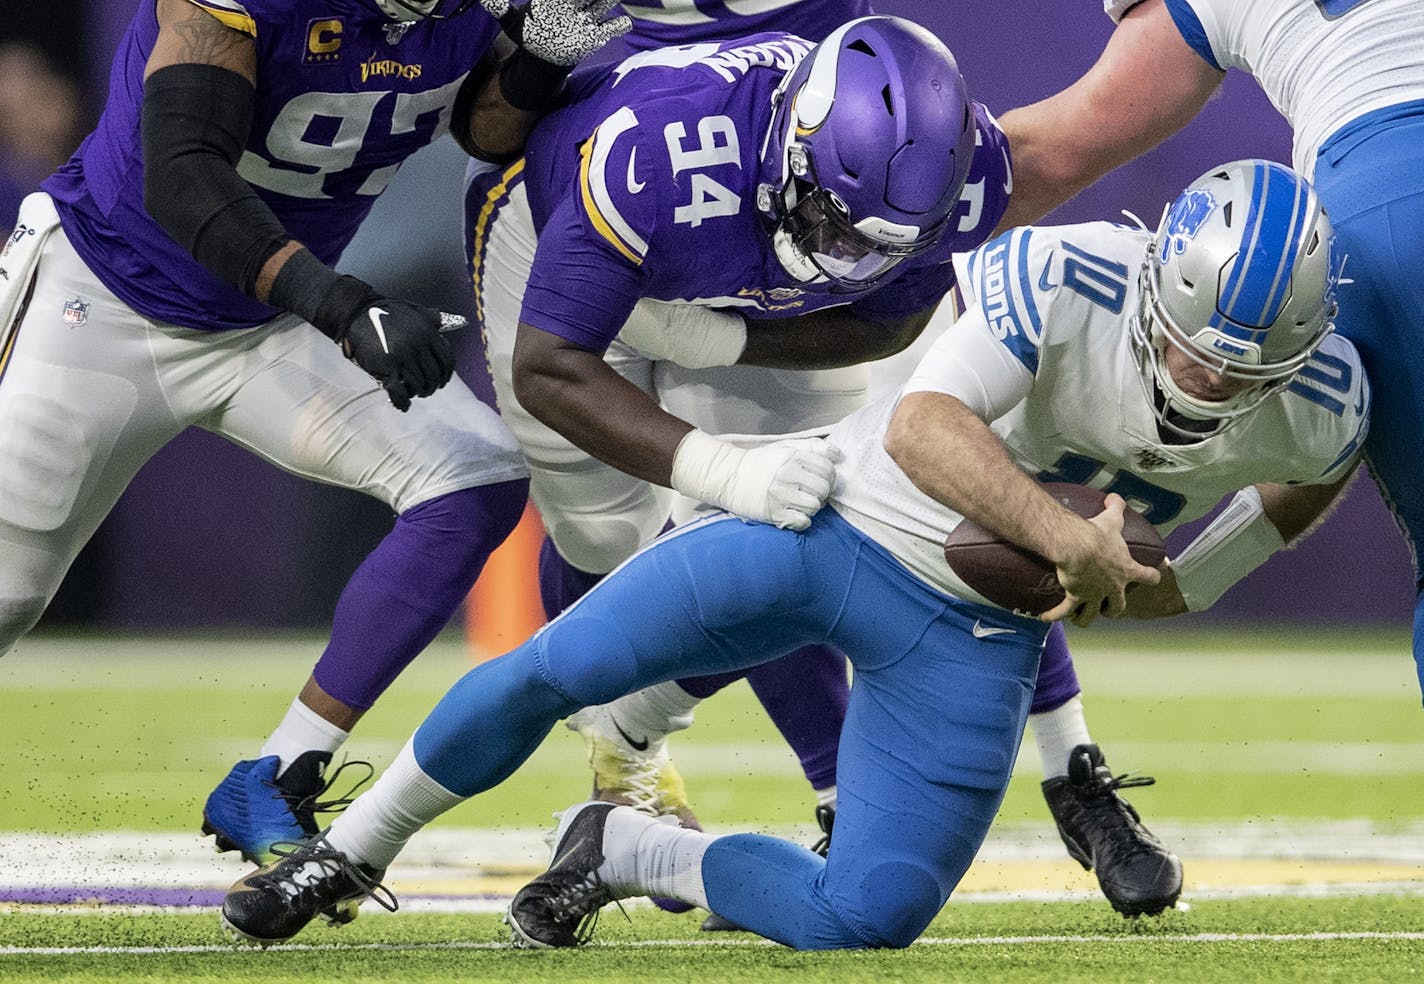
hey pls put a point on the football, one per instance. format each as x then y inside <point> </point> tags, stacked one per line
<point>1020,579</point>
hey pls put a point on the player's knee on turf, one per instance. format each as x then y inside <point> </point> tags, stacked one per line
<point>892,906</point>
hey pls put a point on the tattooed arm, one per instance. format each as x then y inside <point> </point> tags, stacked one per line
<point>199,92</point>
<point>200,68</point>
<point>188,34</point>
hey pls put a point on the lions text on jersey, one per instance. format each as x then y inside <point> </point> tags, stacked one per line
<point>1043,353</point>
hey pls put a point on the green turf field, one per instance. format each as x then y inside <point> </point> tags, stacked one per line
<point>1288,780</point>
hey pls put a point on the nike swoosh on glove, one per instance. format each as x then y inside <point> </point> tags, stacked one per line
<point>403,346</point>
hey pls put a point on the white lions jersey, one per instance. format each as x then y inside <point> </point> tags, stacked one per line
<point>1043,354</point>
<point>1323,63</point>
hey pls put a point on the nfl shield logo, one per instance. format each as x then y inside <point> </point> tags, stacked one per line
<point>76,312</point>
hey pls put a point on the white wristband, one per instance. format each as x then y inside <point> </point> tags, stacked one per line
<point>701,464</point>
<point>689,335</point>
<point>1238,541</point>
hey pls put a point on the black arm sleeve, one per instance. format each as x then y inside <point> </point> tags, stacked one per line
<point>196,120</point>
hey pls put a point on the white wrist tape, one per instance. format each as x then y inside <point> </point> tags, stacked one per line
<point>1238,541</point>
<point>686,334</point>
<point>703,466</point>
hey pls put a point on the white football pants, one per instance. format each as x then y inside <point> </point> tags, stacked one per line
<point>87,399</point>
<point>596,515</point>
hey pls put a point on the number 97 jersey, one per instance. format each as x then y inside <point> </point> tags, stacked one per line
<point>343,96</point>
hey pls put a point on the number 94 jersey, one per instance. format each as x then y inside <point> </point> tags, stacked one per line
<point>646,186</point>
<point>343,96</point>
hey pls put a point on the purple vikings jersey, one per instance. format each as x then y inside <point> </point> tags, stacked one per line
<point>646,186</point>
<point>344,95</point>
<point>663,22</point>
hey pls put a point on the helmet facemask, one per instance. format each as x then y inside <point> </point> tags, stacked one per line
<point>1152,332</point>
<point>816,240</point>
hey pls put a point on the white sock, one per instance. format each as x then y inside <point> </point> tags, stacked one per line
<point>655,711</point>
<point>646,855</point>
<point>302,730</point>
<point>1058,732</point>
<point>827,796</point>
<point>376,827</point>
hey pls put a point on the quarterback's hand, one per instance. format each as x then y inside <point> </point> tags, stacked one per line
<point>783,483</point>
<point>403,346</point>
<point>1097,569</point>
<point>560,32</point>
<point>1159,600</point>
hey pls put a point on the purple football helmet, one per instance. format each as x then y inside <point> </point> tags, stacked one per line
<point>868,150</point>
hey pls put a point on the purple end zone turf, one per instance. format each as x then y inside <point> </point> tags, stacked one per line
<point>109,895</point>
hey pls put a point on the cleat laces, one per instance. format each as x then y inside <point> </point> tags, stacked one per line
<point>306,807</point>
<point>1119,820</point>
<point>320,866</point>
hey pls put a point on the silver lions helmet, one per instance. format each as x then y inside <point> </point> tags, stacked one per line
<point>1240,277</point>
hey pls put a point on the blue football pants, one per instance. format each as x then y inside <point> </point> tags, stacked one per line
<point>1372,185</point>
<point>937,708</point>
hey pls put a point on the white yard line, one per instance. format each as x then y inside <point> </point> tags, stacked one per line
<point>945,941</point>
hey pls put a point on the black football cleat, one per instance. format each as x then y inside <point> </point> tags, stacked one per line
<point>826,820</point>
<point>309,879</point>
<point>560,907</point>
<point>1104,834</point>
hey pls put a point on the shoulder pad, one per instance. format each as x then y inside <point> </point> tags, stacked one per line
<point>613,177</point>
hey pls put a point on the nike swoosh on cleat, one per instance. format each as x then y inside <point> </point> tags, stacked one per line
<point>640,746</point>
<point>982,631</point>
<point>376,315</point>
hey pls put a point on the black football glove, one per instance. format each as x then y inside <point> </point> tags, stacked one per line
<point>403,346</point>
